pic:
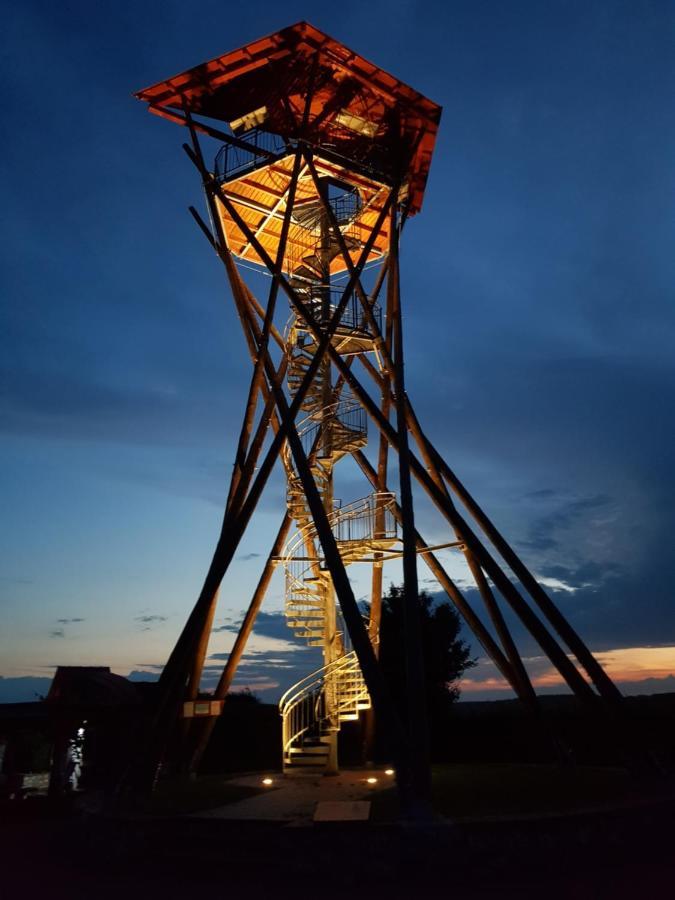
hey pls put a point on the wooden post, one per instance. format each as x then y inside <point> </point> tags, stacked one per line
<point>224,683</point>
<point>416,699</point>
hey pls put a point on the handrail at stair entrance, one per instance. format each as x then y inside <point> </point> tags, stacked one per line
<point>301,707</point>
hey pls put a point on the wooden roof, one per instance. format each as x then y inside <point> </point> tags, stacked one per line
<point>358,110</point>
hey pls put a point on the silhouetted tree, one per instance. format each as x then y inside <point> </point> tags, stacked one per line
<point>446,655</point>
<point>245,695</point>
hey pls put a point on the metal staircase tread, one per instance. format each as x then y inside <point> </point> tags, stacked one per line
<point>314,748</point>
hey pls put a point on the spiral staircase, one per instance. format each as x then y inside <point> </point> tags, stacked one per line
<point>313,710</point>
<point>333,425</point>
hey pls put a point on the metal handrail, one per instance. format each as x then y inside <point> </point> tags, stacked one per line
<point>313,684</point>
<point>348,413</point>
<point>234,159</point>
<point>345,523</point>
<point>365,506</point>
<point>313,675</point>
<point>353,318</point>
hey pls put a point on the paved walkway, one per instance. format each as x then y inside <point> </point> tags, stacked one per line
<point>294,798</point>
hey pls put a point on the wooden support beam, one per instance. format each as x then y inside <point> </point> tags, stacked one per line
<point>263,342</point>
<point>243,468</point>
<point>180,118</point>
<point>205,728</point>
<point>548,644</point>
<point>287,198</point>
<point>525,690</point>
<point>465,609</point>
<point>380,346</point>
<point>574,679</point>
<point>351,613</point>
<point>604,684</point>
<point>410,621</point>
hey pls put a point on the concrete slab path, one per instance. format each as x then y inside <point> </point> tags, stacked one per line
<point>294,798</point>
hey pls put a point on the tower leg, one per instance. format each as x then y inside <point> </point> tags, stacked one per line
<point>416,699</point>
<point>205,727</point>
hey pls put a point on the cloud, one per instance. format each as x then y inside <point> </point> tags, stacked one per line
<point>274,660</point>
<point>541,494</point>
<point>60,632</point>
<point>148,622</point>
<point>547,532</point>
<point>271,625</point>
<point>270,671</point>
<point>556,584</point>
<point>635,670</point>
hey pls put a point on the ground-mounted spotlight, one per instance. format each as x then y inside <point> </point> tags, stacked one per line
<point>268,782</point>
<point>389,772</point>
<point>371,780</point>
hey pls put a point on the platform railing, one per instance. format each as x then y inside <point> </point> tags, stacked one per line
<point>234,159</point>
<point>352,319</point>
<point>358,521</point>
<point>348,417</point>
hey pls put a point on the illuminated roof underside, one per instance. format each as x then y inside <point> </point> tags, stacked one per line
<point>259,197</point>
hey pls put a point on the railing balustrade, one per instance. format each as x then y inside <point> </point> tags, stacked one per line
<point>321,302</point>
<point>234,160</point>
<point>303,708</point>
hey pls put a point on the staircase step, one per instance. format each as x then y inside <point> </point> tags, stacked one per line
<point>294,762</point>
<point>303,615</point>
<point>320,750</point>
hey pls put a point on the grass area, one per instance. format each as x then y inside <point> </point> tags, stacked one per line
<point>467,791</point>
<point>176,797</point>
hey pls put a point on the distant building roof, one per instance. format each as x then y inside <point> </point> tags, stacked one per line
<point>91,686</point>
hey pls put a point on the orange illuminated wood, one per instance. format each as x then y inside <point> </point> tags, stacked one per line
<point>259,198</point>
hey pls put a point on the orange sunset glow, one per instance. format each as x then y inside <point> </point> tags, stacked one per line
<point>625,665</point>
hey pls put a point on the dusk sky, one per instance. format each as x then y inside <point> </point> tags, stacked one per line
<point>538,298</point>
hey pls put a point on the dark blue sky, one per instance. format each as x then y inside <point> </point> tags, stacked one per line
<point>538,296</point>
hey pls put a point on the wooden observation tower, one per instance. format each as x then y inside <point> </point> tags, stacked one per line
<point>312,159</point>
